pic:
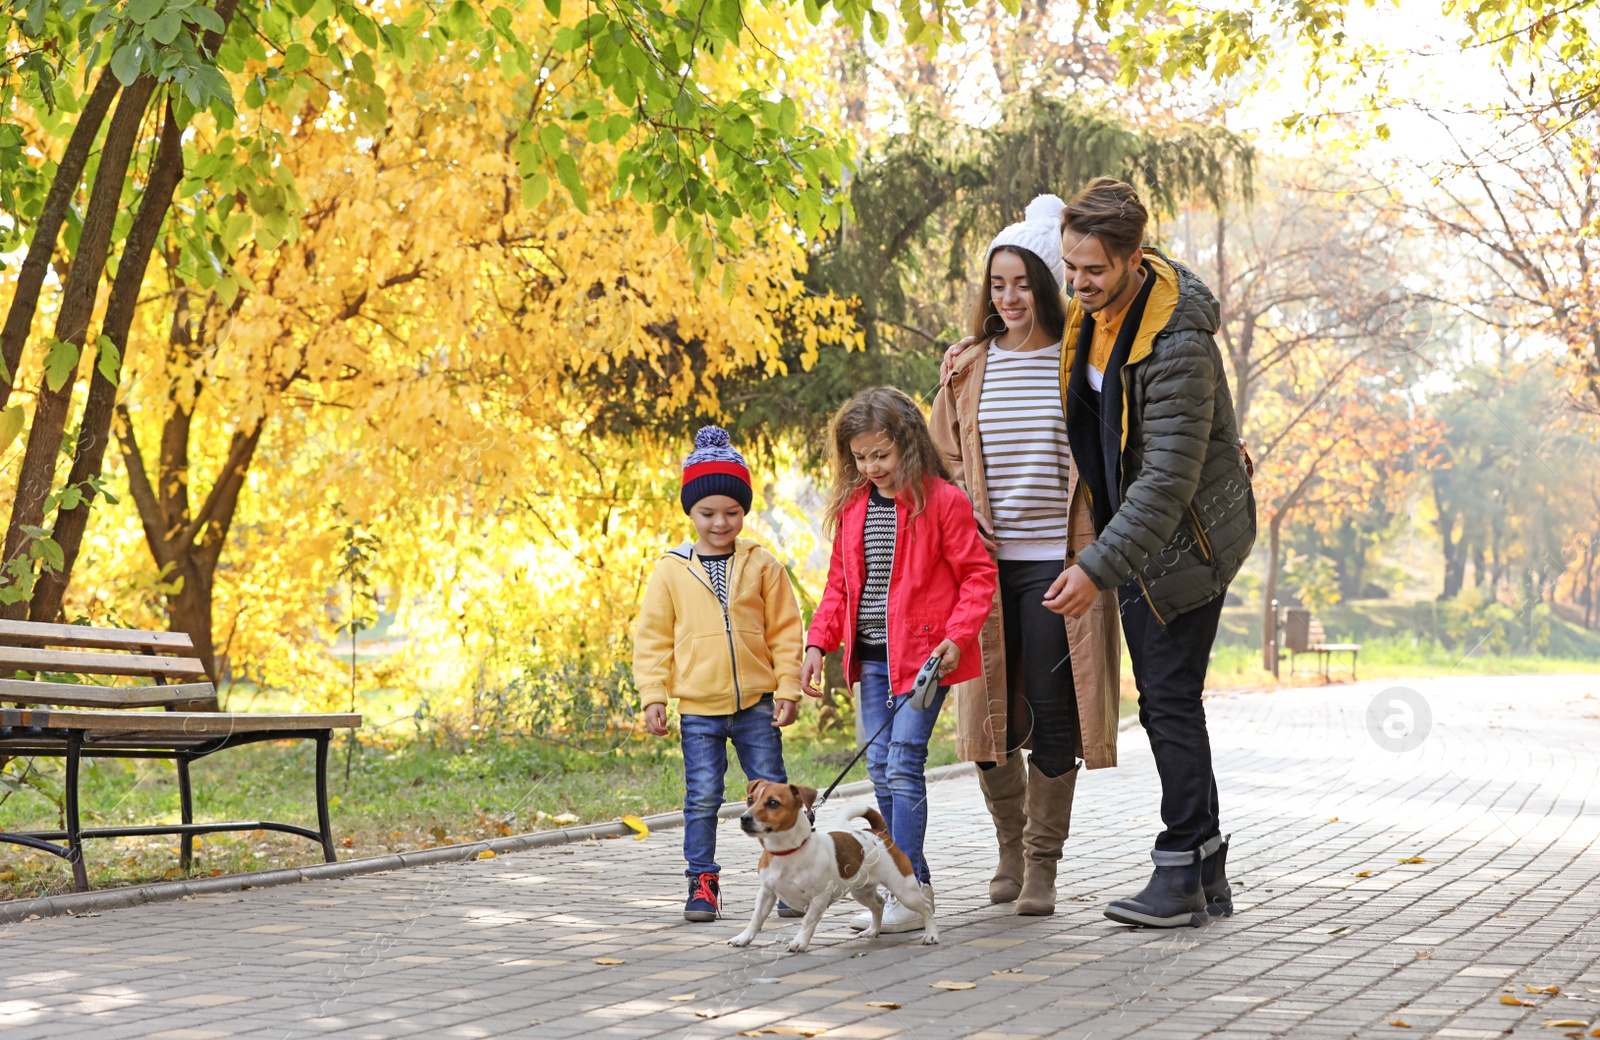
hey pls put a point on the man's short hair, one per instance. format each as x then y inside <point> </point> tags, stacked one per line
<point>1111,211</point>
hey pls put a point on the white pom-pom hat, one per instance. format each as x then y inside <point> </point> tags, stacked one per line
<point>1039,233</point>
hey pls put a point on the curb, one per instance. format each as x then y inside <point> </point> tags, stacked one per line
<point>76,903</point>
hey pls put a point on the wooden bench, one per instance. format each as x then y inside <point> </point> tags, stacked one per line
<point>176,717</point>
<point>1303,634</point>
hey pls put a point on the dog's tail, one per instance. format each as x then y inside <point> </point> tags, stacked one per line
<point>868,813</point>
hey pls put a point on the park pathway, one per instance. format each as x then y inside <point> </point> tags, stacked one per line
<point>1434,878</point>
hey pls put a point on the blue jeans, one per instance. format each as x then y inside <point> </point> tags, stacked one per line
<point>896,758</point>
<point>705,766</point>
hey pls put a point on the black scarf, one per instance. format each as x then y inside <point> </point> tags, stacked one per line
<point>1094,420</point>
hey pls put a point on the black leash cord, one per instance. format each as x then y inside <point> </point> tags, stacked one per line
<point>898,701</point>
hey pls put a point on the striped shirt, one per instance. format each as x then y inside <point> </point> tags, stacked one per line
<point>717,569</point>
<point>1025,458</point>
<point>872,614</point>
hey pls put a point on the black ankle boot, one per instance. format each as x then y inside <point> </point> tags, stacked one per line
<point>1173,898</point>
<point>1214,879</point>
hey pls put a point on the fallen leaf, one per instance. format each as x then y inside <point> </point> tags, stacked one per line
<point>636,824</point>
<point>1506,998</point>
<point>887,1005</point>
<point>1401,1023</point>
<point>608,960</point>
<point>1568,1023</point>
<point>1413,859</point>
<point>1339,929</point>
<point>1363,873</point>
<point>1333,819</point>
<point>707,1014</point>
<point>486,854</point>
<point>1424,955</point>
<point>783,1031</point>
<point>1004,971</point>
<point>1552,990</point>
<point>683,997</point>
<point>565,817</point>
<point>953,985</point>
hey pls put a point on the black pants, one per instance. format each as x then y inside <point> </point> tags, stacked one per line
<point>1039,666</point>
<point>1169,667</point>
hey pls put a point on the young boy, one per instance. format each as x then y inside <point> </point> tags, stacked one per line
<point>720,631</point>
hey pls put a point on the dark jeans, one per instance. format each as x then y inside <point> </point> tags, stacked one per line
<point>1169,667</point>
<point>1039,665</point>
<point>705,767</point>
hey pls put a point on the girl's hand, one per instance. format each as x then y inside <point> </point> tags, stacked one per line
<point>785,712</point>
<point>950,657</point>
<point>948,362</point>
<point>655,719</point>
<point>811,673</point>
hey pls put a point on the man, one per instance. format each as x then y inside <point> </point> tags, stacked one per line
<point>1152,430</point>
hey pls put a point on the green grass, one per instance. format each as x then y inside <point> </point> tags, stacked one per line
<point>407,797</point>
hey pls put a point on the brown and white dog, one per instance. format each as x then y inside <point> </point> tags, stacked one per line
<point>811,869</point>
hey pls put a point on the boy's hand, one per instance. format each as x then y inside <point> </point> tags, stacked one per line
<point>950,655</point>
<point>785,712</point>
<point>655,719</point>
<point>811,673</point>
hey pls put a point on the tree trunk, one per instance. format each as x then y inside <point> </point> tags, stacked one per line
<point>1269,608</point>
<point>30,278</point>
<point>72,323</point>
<point>96,425</point>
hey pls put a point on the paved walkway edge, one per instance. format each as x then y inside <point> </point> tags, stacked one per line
<point>79,903</point>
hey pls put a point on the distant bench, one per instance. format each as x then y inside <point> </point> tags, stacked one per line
<point>1303,634</point>
<point>186,726</point>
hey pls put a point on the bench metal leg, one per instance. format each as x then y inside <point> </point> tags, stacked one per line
<point>324,824</point>
<point>186,809</point>
<point>80,874</point>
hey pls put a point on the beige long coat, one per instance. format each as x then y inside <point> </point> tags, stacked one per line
<point>983,706</point>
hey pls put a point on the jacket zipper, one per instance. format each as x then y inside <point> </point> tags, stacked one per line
<point>727,627</point>
<point>1122,377</point>
<point>888,593</point>
<point>1200,535</point>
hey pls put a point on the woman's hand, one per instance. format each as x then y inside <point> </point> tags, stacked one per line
<point>811,673</point>
<point>949,657</point>
<point>949,360</point>
<point>655,719</point>
<point>785,712</point>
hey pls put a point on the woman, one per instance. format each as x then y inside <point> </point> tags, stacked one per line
<point>1050,684</point>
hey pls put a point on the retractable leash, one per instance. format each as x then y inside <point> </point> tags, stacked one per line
<point>920,697</point>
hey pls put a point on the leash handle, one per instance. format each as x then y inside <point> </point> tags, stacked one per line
<point>898,701</point>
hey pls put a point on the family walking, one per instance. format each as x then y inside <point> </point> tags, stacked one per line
<point>1080,481</point>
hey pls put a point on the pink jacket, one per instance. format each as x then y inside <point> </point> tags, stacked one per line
<point>942,586</point>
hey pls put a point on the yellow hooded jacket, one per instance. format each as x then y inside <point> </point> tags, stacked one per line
<point>717,661</point>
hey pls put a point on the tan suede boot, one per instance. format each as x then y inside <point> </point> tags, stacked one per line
<point>1005,789</point>
<point>1049,809</point>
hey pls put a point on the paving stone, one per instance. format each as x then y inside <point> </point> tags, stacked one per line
<point>1509,895</point>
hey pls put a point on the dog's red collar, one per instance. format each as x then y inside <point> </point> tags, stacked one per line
<point>790,852</point>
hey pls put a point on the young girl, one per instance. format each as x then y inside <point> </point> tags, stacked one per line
<point>909,576</point>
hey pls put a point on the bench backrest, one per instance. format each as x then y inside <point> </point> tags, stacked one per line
<point>1300,630</point>
<point>100,656</point>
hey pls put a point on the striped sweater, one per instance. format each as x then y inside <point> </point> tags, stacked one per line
<point>1025,458</point>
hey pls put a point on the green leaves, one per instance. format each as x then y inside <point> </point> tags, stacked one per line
<point>11,422</point>
<point>110,363</point>
<point>59,364</point>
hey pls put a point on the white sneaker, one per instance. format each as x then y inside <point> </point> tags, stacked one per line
<point>897,918</point>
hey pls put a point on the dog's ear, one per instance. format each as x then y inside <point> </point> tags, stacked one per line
<point>750,788</point>
<point>807,795</point>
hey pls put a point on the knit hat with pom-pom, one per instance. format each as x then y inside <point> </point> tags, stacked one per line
<point>1039,233</point>
<point>714,468</point>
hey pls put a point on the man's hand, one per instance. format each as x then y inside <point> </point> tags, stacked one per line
<point>1072,593</point>
<point>949,657</point>
<point>655,719</point>
<point>785,712</point>
<point>811,673</point>
<point>950,356</point>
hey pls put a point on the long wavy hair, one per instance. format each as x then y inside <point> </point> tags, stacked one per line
<point>890,411</point>
<point>1049,309</point>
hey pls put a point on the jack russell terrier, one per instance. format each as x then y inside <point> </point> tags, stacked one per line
<point>811,869</point>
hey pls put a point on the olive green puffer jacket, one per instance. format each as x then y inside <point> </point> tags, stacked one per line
<point>1186,518</point>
